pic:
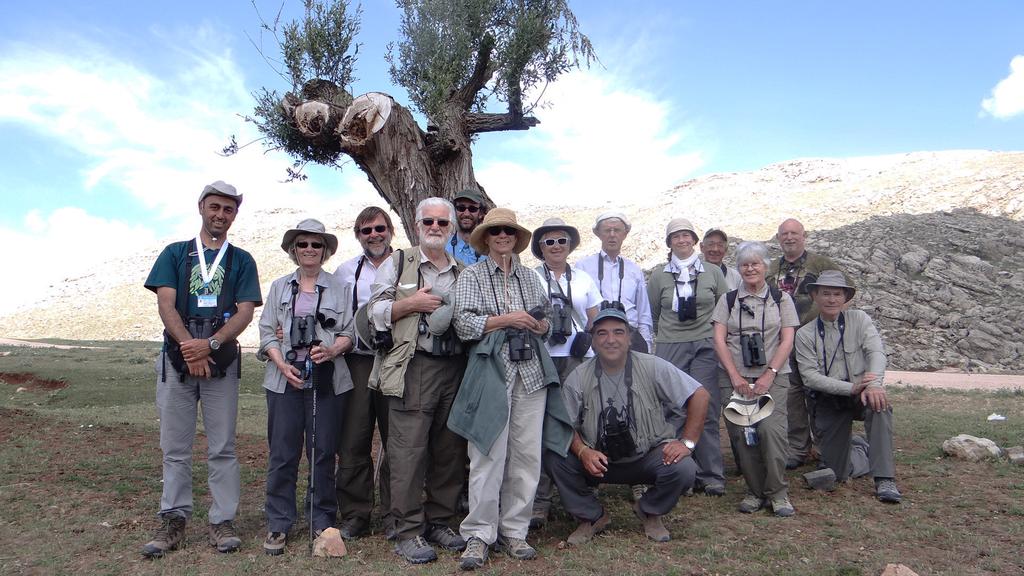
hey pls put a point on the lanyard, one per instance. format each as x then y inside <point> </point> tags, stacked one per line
<point>355,285</point>
<point>841,323</point>
<point>600,274</point>
<point>207,273</point>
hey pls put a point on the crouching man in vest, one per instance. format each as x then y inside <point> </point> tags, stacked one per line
<point>418,368</point>
<point>637,420</point>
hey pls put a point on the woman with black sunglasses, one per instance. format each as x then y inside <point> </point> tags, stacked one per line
<point>306,380</point>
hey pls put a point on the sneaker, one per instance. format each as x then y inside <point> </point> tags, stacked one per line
<point>167,537</point>
<point>516,548</point>
<point>223,537</point>
<point>587,530</point>
<point>714,490</point>
<point>886,491</point>
<point>751,504</point>
<point>475,555</point>
<point>274,544</point>
<point>416,550</point>
<point>653,527</point>
<point>782,508</point>
<point>352,528</point>
<point>638,491</point>
<point>444,537</point>
<point>539,517</point>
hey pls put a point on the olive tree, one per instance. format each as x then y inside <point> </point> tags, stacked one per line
<point>454,57</point>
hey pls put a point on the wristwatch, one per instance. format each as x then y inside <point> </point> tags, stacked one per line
<point>690,444</point>
<point>214,344</point>
<point>774,371</point>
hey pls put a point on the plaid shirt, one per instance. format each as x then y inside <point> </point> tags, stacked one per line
<point>482,291</point>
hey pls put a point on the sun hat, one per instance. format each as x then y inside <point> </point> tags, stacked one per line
<point>221,188</point>
<point>678,225</point>
<point>495,218</point>
<point>552,225</point>
<point>609,215</point>
<point>609,313</point>
<point>361,322</point>
<point>310,226</point>
<point>743,411</point>
<point>719,231</point>
<point>832,279</point>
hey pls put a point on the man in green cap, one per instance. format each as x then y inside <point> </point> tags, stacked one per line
<point>470,209</point>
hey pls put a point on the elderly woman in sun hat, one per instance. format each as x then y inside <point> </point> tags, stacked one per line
<point>508,372</point>
<point>575,299</point>
<point>753,335</point>
<point>305,369</point>
<point>682,295</point>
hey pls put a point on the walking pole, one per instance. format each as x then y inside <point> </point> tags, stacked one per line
<point>312,455</point>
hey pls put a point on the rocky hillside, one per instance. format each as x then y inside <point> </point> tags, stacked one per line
<point>933,238</point>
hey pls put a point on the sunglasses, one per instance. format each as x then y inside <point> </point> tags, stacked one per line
<point>304,244</point>
<point>379,229</point>
<point>467,208</point>
<point>441,222</point>
<point>553,241</point>
<point>508,230</point>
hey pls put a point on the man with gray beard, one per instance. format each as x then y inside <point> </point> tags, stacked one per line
<point>374,231</point>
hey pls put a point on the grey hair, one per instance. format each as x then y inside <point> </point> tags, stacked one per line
<point>436,201</point>
<point>751,251</point>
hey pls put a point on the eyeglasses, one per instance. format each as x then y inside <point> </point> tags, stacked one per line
<point>467,208</point>
<point>304,244</point>
<point>553,241</point>
<point>508,230</point>
<point>441,222</point>
<point>379,229</point>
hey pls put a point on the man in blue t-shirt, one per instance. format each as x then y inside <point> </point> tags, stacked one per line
<point>470,209</point>
<point>206,291</point>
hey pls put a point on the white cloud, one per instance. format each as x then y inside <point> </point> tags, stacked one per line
<point>601,138</point>
<point>1007,98</point>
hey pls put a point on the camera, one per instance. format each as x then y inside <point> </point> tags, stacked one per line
<point>752,346</point>
<point>383,340</point>
<point>561,320</point>
<point>687,308</point>
<point>303,331</point>
<point>519,346</point>
<point>616,438</point>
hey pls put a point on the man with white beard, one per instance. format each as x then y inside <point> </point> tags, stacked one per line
<point>419,372</point>
<point>354,480</point>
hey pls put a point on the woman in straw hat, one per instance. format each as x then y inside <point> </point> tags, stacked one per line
<point>683,295</point>
<point>753,333</point>
<point>493,301</point>
<point>312,309</point>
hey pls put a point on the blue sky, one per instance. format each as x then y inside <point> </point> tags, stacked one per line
<point>112,112</point>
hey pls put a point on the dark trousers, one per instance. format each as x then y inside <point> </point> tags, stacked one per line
<point>574,483</point>
<point>355,444</point>
<point>698,359</point>
<point>289,424</point>
<point>422,451</point>
<point>833,418</point>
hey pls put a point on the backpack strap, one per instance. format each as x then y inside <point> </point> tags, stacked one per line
<point>730,297</point>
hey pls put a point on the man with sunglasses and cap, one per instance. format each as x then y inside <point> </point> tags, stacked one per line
<point>842,361</point>
<point>419,372</point>
<point>470,209</point>
<point>207,290</point>
<point>791,273</point>
<point>620,279</point>
<point>355,479</point>
<point>637,420</point>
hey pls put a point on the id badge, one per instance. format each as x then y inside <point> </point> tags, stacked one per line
<point>207,300</point>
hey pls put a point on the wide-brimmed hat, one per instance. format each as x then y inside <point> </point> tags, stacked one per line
<point>221,188</point>
<point>743,411</point>
<point>552,225</point>
<point>470,194</point>
<point>494,218</point>
<point>832,279</point>
<point>310,226</point>
<point>678,225</point>
<point>361,323</point>
<point>609,215</point>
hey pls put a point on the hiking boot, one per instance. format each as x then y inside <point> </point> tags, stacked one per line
<point>223,537</point>
<point>793,462</point>
<point>653,527</point>
<point>516,548</point>
<point>390,532</point>
<point>167,537</point>
<point>539,517</point>
<point>714,490</point>
<point>444,537</point>
<point>886,491</point>
<point>416,550</point>
<point>751,504</point>
<point>352,528</point>
<point>638,491</point>
<point>782,508</point>
<point>274,544</point>
<point>475,555</point>
<point>586,531</point>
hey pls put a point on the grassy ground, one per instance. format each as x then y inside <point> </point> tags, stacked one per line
<point>80,484</point>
